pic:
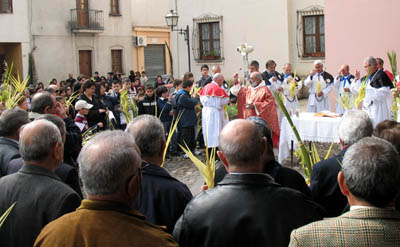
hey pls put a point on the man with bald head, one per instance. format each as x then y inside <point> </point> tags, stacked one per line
<point>213,98</point>
<point>110,170</point>
<point>247,208</point>
<point>377,101</point>
<point>342,84</point>
<point>257,100</point>
<point>39,194</point>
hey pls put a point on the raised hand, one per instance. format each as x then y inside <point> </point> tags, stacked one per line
<point>357,75</point>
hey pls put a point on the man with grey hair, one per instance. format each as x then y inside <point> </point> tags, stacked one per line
<point>66,172</point>
<point>247,208</point>
<point>377,100</point>
<point>354,126</point>
<point>11,122</point>
<point>213,119</point>
<point>320,83</point>
<point>162,198</point>
<point>39,194</point>
<point>110,169</point>
<point>257,100</point>
<point>370,181</point>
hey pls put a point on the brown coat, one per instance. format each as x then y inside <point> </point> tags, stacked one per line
<point>359,227</point>
<point>101,223</point>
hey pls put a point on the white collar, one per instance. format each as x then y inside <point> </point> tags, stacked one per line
<point>262,84</point>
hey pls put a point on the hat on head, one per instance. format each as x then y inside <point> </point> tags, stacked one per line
<point>81,104</point>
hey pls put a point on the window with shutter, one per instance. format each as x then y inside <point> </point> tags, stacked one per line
<point>116,61</point>
<point>6,6</point>
<point>314,36</point>
<point>114,7</point>
<point>207,38</point>
<point>209,41</point>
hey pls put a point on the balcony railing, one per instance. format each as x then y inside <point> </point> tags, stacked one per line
<point>87,19</point>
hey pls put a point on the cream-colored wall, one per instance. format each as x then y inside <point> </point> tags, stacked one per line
<point>57,51</point>
<point>14,28</point>
<point>262,24</point>
<point>150,13</point>
<point>154,36</point>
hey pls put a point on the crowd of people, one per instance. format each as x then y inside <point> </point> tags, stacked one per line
<point>113,191</point>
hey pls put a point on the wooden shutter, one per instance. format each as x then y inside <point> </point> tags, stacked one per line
<point>116,58</point>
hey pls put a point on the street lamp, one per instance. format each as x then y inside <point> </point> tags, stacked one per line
<point>172,21</point>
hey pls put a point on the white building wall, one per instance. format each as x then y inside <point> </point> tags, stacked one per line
<point>14,28</point>
<point>262,24</point>
<point>57,47</point>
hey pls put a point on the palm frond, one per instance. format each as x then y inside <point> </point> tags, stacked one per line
<point>307,165</point>
<point>172,129</point>
<point>6,213</point>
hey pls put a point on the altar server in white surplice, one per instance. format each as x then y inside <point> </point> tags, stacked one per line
<point>291,87</point>
<point>342,83</point>
<point>320,83</point>
<point>378,96</point>
<point>213,98</point>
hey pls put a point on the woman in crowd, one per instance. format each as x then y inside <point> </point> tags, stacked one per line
<point>97,114</point>
<point>23,103</point>
<point>159,81</point>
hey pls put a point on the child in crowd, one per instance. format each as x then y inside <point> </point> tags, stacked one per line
<point>115,89</point>
<point>82,107</point>
<point>186,104</point>
<point>164,108</point>
<point>148,105</point>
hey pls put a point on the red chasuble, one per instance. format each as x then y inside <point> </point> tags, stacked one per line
<point>213,89</point>
<point>264,103</point>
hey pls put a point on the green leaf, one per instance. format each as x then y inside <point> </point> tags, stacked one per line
<point>5,215</point>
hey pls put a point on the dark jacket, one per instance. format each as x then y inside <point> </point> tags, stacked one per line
<point>94,116</point>
<point>284,176</point>
<point>244,210</point>
<point>164,107</point>
<point>73,142</point>
<point>266,76</point>
<point>325,188</point>
<point>186,104</point>
<point>8,150</point>
<point>66,172</point>
<point>147,105</point>
<point>41,197</point>
<point>162,198</point>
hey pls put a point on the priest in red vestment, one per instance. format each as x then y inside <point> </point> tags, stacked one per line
<point>257,100</point>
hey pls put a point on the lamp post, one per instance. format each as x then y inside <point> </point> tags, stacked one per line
<point>172,21</point>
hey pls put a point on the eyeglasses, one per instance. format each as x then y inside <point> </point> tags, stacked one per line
<point>57,91</point>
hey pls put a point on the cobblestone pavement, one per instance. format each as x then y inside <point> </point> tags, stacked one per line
<point>185,171</point>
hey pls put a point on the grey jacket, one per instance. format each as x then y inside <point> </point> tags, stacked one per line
<point>41,197</point>
<point>8,150</point>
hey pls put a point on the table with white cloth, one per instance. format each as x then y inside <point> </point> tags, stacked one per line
<point>310,128</point>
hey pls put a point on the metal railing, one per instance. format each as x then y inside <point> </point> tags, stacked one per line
<point>87,19</point>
